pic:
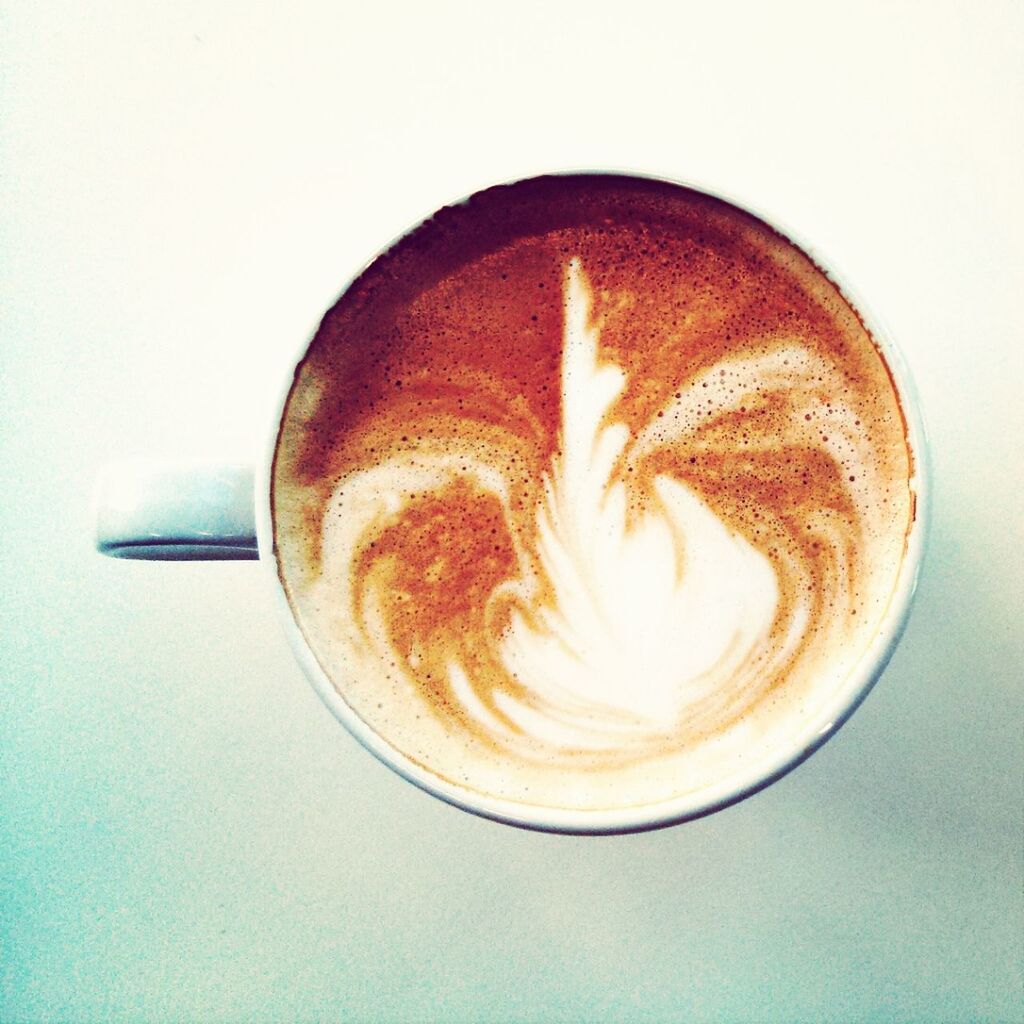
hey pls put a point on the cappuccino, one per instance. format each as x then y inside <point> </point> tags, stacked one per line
<point>591,492</point>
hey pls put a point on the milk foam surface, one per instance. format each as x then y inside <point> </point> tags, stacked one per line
<point>626,600</point>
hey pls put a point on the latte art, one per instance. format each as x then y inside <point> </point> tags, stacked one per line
<point>621,601</point>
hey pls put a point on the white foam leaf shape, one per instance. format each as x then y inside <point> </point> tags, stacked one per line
<point>647,619</point>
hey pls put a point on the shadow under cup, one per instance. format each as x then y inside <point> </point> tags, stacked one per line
<point>389,461</point>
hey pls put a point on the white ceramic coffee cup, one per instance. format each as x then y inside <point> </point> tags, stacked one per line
<point>216,511</point>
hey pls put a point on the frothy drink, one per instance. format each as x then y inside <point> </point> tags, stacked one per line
<point>590,492</point>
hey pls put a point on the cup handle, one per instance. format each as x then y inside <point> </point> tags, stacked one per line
<point>176,511</point>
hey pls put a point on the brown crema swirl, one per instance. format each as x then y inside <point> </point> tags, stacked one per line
<point>590,490</point>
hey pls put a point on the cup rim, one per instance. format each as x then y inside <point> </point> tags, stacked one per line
<point>707,800</point>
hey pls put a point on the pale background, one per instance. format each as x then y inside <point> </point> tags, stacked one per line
<point>185,832</point>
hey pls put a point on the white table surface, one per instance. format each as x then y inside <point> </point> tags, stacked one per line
<point>185,832</point>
